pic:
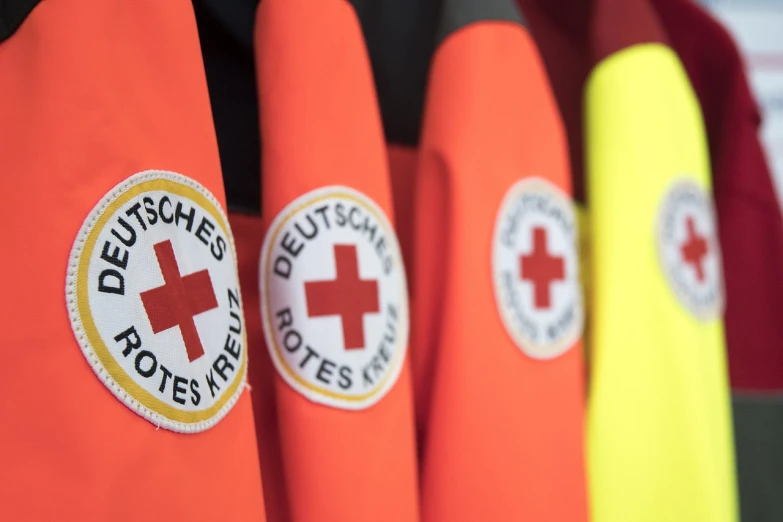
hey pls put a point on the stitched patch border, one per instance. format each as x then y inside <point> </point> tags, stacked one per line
<point>93,344</point>
<point>369,246</point>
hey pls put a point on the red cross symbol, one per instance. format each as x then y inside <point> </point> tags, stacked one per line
<point>178,300</point>
<point>541,268</point>
<point>346,296</point>
<point>694,249</point>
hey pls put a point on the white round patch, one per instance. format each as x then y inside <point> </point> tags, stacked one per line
<point>536,269</point>
<point>688,249</point>
<point>334,298</point>
<point>153,296</point>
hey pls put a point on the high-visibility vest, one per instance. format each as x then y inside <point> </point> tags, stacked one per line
<point>659,432</point>
<point>496,350</point>
<point>751,237</point>
<point>123,347</point>
<point>332,281</point>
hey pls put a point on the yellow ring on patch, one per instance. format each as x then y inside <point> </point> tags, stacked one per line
<point>168,182</point>
<point>268,320</point>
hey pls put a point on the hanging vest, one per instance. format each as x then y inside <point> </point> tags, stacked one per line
<point>497,327</point>
<point>124,349</point>
<point>751,237</point>
<point>659,434</point>
<point>332,281</point>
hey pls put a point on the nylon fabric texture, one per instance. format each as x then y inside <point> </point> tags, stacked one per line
<point>316,95</point>
<point>86,103</point>
<point>659,438</point>
<point>751,235</point>
<point>493,422</point>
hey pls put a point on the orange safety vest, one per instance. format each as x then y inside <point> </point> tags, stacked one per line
<point>124,350</point>
<point>332,280</point>
<point>497,353</point>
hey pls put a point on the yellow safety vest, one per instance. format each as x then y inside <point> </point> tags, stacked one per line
<point>659,435</point>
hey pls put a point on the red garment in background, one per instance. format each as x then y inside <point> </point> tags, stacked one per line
<point>749,219</point>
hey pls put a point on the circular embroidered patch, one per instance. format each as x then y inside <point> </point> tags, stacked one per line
<point>334,298</point>
<point>536,269</point>
<point>153,296</point>
<point>688,249</point>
